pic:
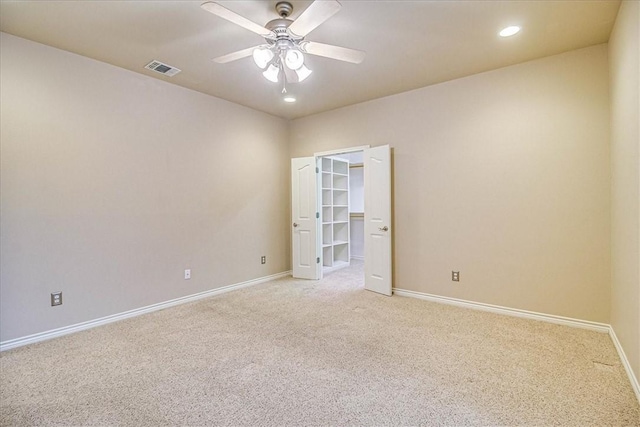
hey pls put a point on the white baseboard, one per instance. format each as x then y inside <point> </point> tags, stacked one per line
<point>567,321</point>
<point>625,362</point>
<point>550,318</point>
<point>54,333</point>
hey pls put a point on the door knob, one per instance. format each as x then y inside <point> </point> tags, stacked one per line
<point>295,225</point>
<point>385,228</point>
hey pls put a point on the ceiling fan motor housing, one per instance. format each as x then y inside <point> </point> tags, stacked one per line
<point>279,25</point>
<point>284,39</point>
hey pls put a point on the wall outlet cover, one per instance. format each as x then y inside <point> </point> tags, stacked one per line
<point>56,298</point>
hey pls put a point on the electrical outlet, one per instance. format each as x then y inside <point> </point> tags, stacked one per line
<point>56,298</point>
<point>187,274</point>
<point>263,260</point>
<point>455,276</point>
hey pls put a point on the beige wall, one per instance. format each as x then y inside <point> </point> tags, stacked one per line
<point>502,175</point>
<point>113,183</point>
<point>624,54</point>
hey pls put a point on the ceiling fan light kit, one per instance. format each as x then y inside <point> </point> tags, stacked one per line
<point>294,59</point>
<point>262,56</point>
<point>272,73</point>
<point>276,60</point>
<point>281,59</point>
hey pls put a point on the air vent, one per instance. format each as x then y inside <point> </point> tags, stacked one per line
<point>162,68</point>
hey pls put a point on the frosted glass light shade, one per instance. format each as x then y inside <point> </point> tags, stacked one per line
<point>303,72</point>
<point>262,56</point>
<point>294,59</point>
<point>272,73</point>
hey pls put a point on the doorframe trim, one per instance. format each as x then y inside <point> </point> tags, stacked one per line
<point>341,151</point>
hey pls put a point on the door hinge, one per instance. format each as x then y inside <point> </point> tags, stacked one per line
<point>318,260</point>
<point>317,170</point>
<point>317,214</point>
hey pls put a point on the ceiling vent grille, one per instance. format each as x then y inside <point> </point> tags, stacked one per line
<point>162,68</point>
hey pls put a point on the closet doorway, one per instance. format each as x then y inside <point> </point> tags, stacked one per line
<point>341,210</point>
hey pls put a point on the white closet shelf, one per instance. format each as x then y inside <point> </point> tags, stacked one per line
<point>338,264</point>
<point>335,213</point>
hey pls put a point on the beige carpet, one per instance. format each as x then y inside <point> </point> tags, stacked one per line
<point>318,353</point>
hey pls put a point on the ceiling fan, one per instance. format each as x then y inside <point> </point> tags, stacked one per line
<point>281,56</point>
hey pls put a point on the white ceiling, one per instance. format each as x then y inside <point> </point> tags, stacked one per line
<point>409,44</point>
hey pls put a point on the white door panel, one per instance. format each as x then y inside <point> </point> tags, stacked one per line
<point>303,215</point>
<point>377,220</point>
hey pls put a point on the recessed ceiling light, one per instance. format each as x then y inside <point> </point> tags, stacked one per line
<point>289,99</point>
<point>510,31</point>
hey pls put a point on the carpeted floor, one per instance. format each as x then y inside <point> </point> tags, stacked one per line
<point>318,353</point>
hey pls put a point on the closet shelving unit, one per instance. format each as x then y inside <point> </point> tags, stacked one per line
<point>335,213</point>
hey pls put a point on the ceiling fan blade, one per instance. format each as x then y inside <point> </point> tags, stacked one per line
<point>234,55</point>
<point>333,52</point>
<point>230,16</point>
<point>318,12</point>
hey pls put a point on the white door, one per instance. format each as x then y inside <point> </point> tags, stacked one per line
<point>377,219</point>
<point>303,217</point>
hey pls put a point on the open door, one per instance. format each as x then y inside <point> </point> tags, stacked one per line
<point>303,216</point>
<point>377,219</point>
